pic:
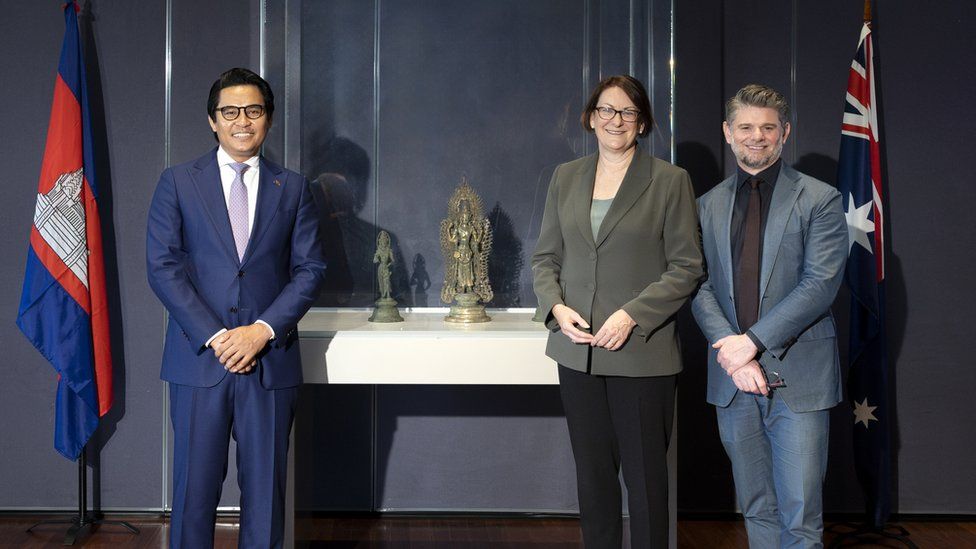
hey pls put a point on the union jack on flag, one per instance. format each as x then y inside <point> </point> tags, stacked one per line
<point>63,306</point>
<point>859,180</point>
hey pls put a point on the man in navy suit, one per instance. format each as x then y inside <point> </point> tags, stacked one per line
<point>234,255</point>
<point>775,242</point>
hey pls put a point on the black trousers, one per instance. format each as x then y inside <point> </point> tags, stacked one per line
<point>619,422</point>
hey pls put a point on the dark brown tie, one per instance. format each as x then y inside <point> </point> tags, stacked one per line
<point>748,279</point>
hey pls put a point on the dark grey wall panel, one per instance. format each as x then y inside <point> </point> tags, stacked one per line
<point>27,456</point>
<point>826,37</point>
<point>928,104</point>
<point>208,38</point>
<point>473,448</point>
<point>825,40</point>
<point>127,92</point>
<point>704,475</point>
<point>757,48</point>
<point>131,85</point>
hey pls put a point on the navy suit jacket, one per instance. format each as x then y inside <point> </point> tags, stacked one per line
<point>193,267</point>
<point>803,257</point>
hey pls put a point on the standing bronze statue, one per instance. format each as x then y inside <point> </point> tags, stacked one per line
<point>386,309</point>
<point>466,244</point>
<point>384,260</point>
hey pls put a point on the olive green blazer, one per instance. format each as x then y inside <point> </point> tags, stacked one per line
<point>646,260</point>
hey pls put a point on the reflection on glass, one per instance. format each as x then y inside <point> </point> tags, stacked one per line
<point>340,189</point>
<point>398,100</point>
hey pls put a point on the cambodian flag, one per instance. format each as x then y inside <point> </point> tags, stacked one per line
<point>63,307</point>
<point>859,180</point>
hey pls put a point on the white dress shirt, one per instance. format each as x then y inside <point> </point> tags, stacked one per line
<point>251,179</point>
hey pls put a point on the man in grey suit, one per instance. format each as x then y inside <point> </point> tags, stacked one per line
<point>775,243</point>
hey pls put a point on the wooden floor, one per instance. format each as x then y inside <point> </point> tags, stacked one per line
<point>440,533</point>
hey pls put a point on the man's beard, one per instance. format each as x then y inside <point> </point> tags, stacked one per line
<point>742,154</point>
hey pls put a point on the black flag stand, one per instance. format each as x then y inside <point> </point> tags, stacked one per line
<point>82,524</point>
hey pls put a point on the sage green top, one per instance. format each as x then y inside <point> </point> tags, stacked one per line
<point>598,210</point>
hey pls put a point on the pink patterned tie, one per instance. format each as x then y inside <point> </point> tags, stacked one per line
<point>237,208</point>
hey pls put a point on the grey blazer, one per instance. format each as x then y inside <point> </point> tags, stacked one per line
<point>803,258</point>
<point>646,260</point>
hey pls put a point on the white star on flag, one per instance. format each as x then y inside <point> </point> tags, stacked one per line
<point>858,224</point>
<point>864,413</point>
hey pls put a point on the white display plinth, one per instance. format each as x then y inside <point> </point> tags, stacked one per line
<point>343,347</point>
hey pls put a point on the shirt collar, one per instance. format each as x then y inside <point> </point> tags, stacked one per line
<point>768,175</point>
<point>224,159</point>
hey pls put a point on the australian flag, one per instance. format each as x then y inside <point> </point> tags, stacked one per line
<point>859,180</point>
<point>63,307</point>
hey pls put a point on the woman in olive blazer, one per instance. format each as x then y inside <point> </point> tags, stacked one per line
<point>618,251</point>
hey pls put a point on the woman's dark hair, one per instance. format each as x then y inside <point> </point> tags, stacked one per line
<point>634,90</point>
<point>240,77</point>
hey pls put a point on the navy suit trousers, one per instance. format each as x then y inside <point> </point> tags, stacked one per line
<point>204,419</point>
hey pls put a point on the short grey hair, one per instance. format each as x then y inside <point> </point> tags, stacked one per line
<point>758,95</point>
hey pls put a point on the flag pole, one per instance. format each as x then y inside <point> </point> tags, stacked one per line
<point>82,524</point>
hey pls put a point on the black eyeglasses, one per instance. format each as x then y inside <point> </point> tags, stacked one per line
<point>773,379</point>
<point>231,112</point>
<point>607,113</point>
<point>772,383</point>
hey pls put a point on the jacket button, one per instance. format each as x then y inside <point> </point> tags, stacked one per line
<point>233,309</point>
<point>240,274</point>
<point>593,255</point>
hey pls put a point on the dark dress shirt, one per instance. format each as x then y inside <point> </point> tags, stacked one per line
<point>767,183</point>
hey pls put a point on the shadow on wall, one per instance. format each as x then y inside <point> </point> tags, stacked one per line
<point>419,281</point>
<point>841,490</point>
<point>96,105</point>
<point>341,189</point>
<point>505,262</point>
<point>449,403</point>
<point>334,458</point>
<point>704,474</point>
<point>701,164</point>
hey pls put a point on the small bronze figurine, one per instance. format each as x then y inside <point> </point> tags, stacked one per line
<point>466,244</point>
<point>386,309</point>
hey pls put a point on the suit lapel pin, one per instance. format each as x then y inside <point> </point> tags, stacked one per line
<point>277,183</point>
